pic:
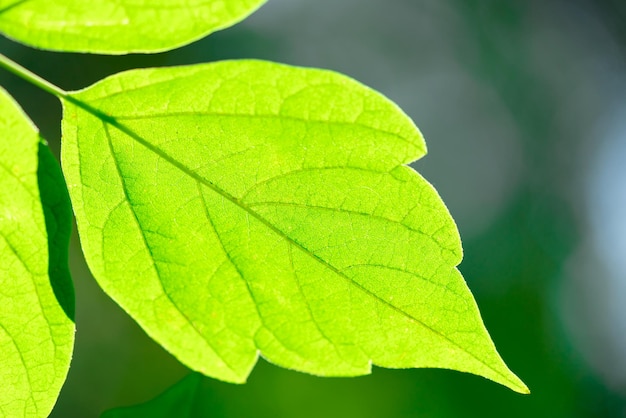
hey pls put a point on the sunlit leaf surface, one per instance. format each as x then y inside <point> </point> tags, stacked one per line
<point>118,26</point>
<point>247,207</point>
<point>36,293</point>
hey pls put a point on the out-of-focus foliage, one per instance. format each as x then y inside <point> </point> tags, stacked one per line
<point>181,400</point>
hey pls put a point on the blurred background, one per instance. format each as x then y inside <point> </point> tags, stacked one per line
<point>523,106</point>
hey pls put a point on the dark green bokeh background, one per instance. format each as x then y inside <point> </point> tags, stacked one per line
<point>512,97</point>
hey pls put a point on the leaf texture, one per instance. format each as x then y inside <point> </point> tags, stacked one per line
<point>118,26</point>
<point>247,207</point>
<point>36,293</point>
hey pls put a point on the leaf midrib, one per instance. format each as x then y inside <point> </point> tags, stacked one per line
<point>149,249</point>
<point>105,118</point>
<point>13,5</point>
<point>353,212</point>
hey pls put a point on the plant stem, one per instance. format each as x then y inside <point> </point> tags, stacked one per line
<point>31,77</point>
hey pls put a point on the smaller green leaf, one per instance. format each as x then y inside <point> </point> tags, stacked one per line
<point>118,26</point>
<point>36,293</point>
<point>176,401</point>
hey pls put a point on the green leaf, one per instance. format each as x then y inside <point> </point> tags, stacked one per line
<point>176,401</point>
<point>36,293</point>
<point>118,26</point>
<point>247,207</point>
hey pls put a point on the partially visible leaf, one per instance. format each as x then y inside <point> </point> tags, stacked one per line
<point>177,401</point>
<point>118,26</point>
<point>36,293</point>
<point>243,207</point>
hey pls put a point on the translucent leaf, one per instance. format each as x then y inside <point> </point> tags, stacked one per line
<point>36,293</point>
<point>247,207</point>
<point>177,401</point>
<point>118,26</point>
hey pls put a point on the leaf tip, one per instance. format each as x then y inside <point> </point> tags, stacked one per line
<point>520,387</point>
<point>515,383</point>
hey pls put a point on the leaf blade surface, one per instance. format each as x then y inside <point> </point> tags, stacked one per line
<point>120,26</point>
<point>268,209</point>
<point>36,297</point>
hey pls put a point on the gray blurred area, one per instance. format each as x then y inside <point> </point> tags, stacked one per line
<point>523,106</point>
